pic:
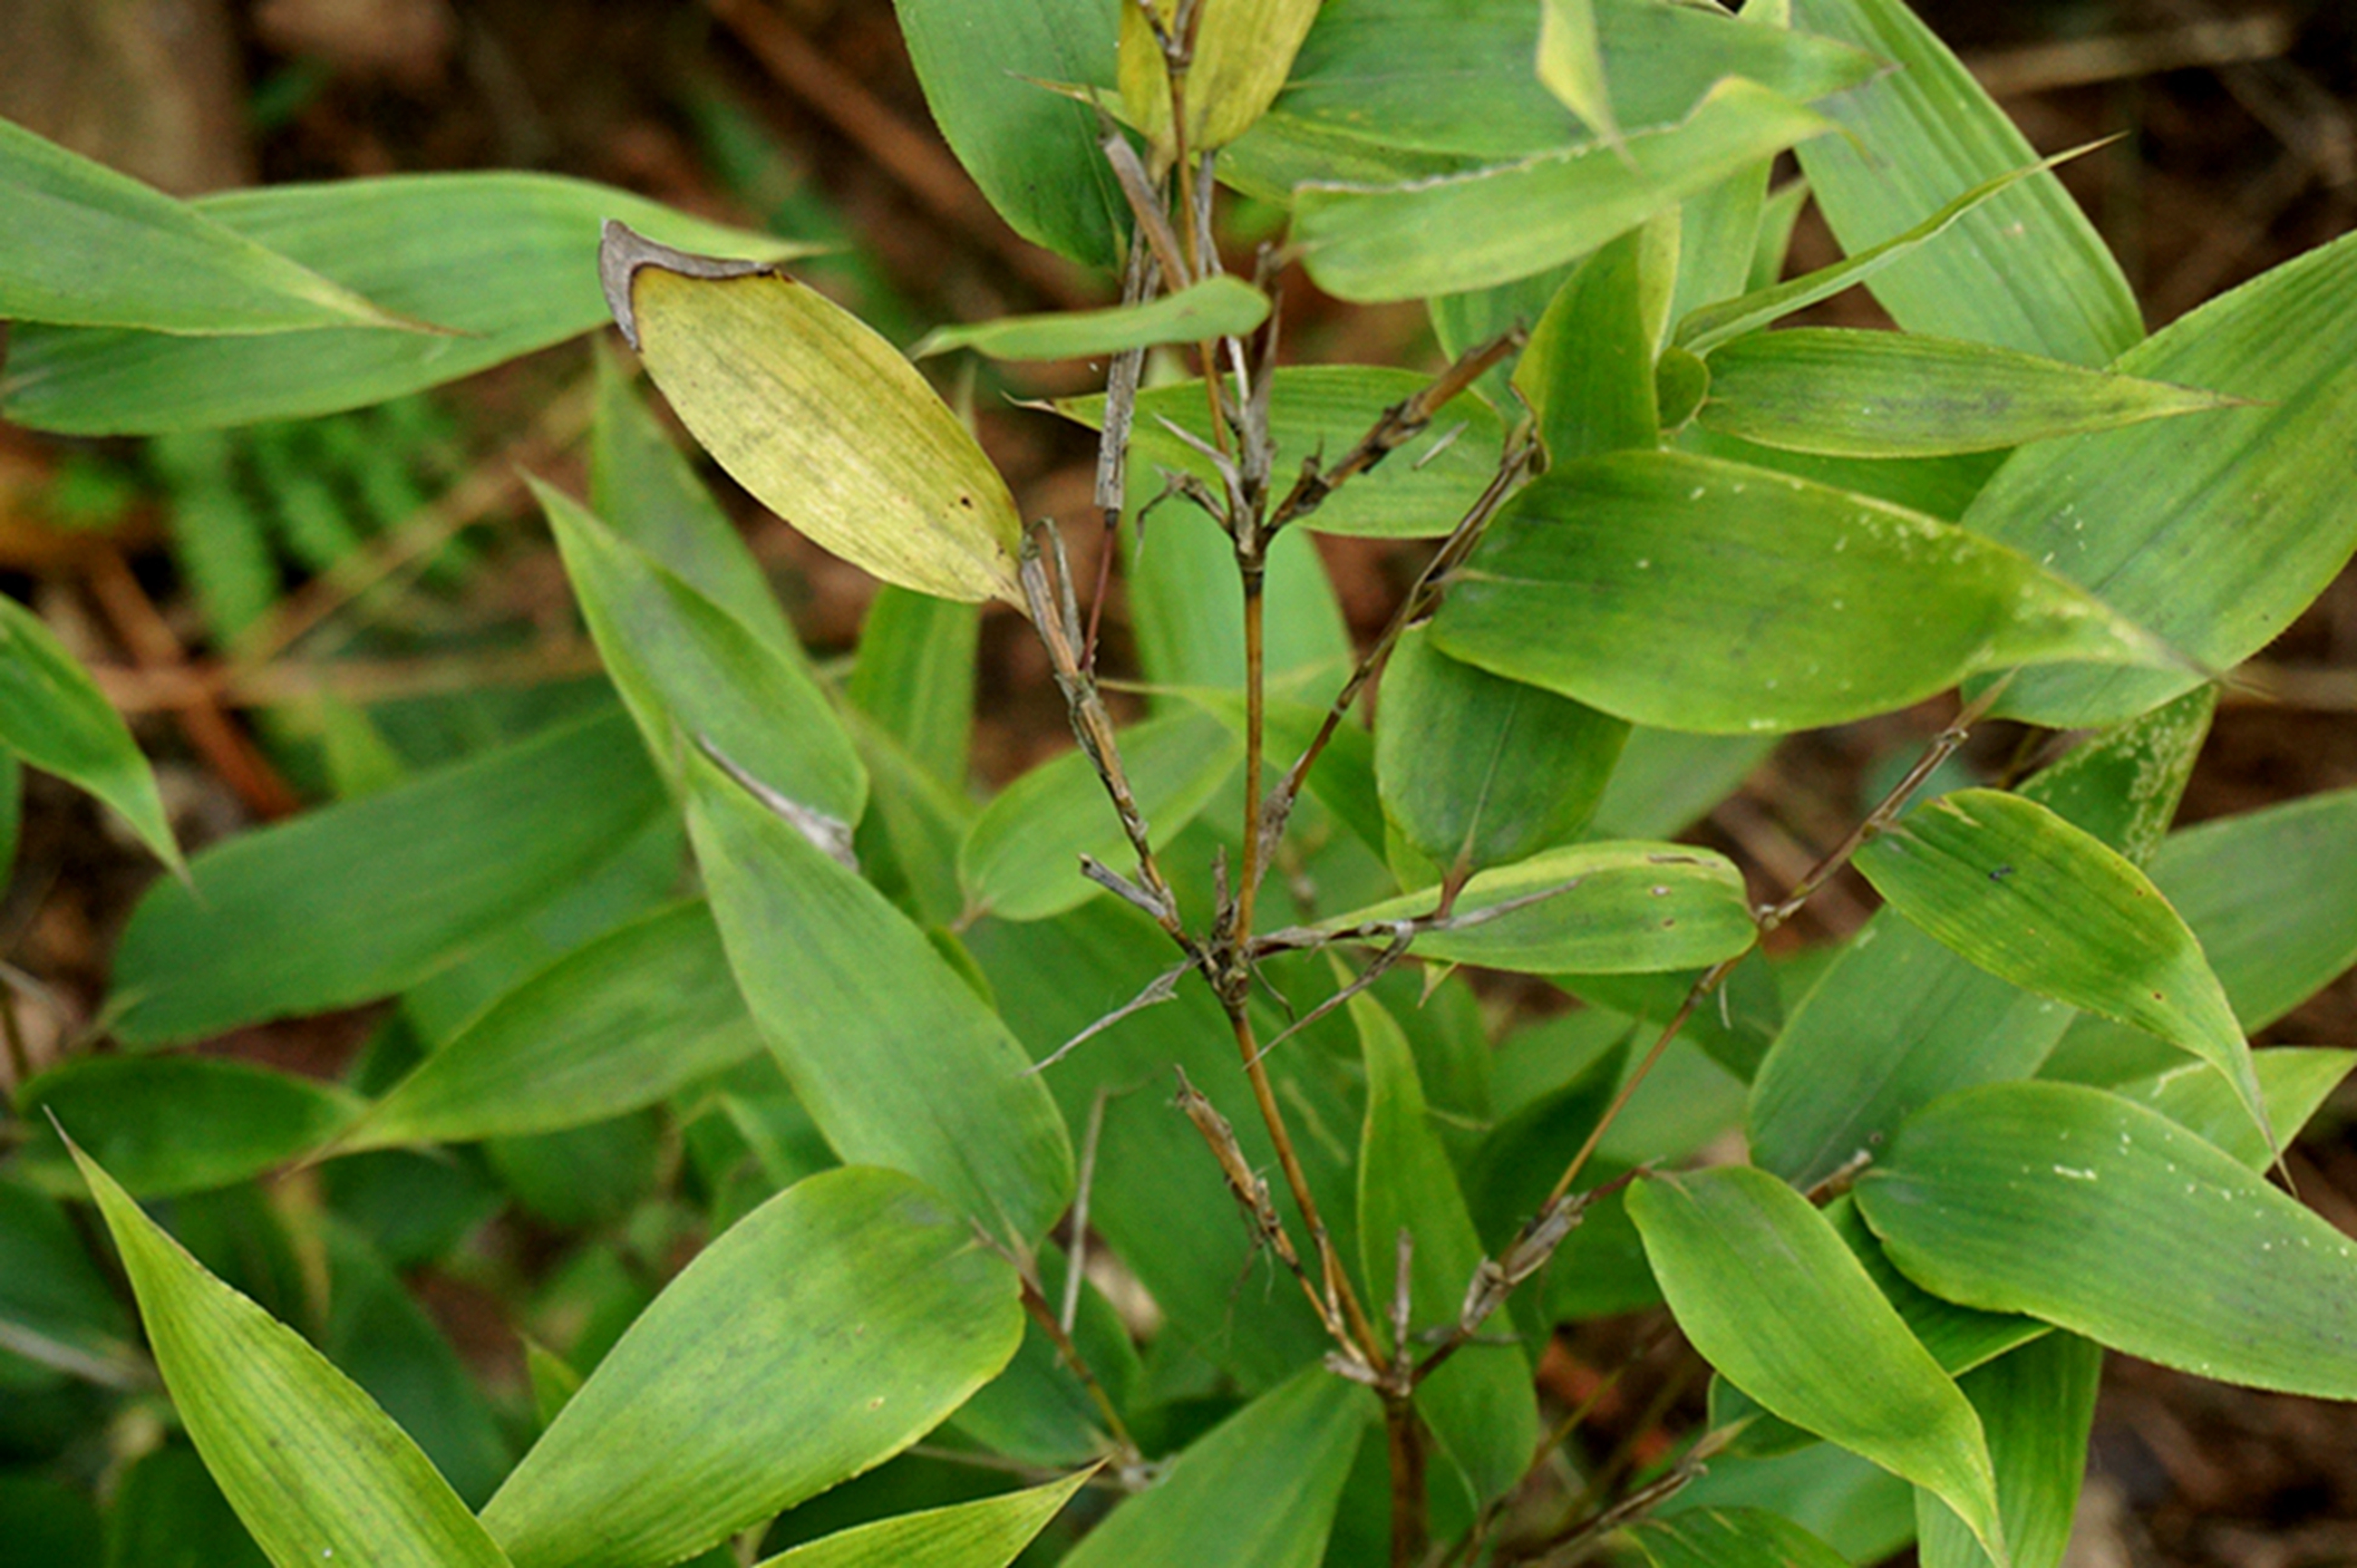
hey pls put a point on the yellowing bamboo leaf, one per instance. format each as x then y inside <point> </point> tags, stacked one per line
<point>1243,51</point>
<point>820,418</point>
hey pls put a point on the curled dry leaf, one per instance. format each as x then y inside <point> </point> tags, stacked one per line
<point>821,419</point>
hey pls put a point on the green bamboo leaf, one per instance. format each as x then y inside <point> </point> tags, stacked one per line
<point>618,1023</point>
<point>1667,780</point>
<point>1987,1196</point>
<point>316,1472</point>
<point>181,1124</point>
<point>1571,64</point>
<point>1477,771</point>
<point>1020,860</point>
<point>818,417</point>
<point>2020,892</point>
<point>1464,232</point>
<point>369,898</point>
<point>1220,306</point>
<point>985,1534</point>
<point>494,257</point>
<point>771,1368</point>
<point>1889,394</point>
<point>1899,1019</point>
<point>56,1310</point>
<point>2215,544</point>
<point>54,716</point>
<point>168,1511</point>
<point>1033,151</point>
<point>1241,57</point>
<point>1222,1501</point>
<point>1588,371</point>
<point>2037,1405</point>
<point>1773,298</point>
<point>693,675</point>
<point>1730,1538</point>
<point>907,843</point>
<point>1700,595</point>
<point>1597,909</point>
<point>643,489</point>
<point>90,247</point>
<point>1479,1404</point>
<point>1188,617</point>
<point>898,1060</point>
<point>915,677</point>
<point>2025,272</point>
<point>1768,1294</point>
<point>2293,1081</point>
<point>1321,411</point>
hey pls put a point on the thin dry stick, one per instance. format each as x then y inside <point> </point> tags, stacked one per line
<point>1076,1254</point>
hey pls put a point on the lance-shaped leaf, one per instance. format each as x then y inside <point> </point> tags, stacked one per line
<point>1771,1297</point>
<point>692,674</point>
<point>822,1333</point>
<point>1702,594</point>
<point>1899,1019</point>
<point>495,258</point>
<point>53,715</point>
<point>1889,394</point>
<point>2038,1405</point>
<point>315,1469</point>
<point>1730,1538</point>
<point>1593,908</point>
<point>1320,411</point>
<point>180,1124</point>
<point>2027,271</point>
<point>1241,56</point>
<point>2293,1079</point>
<point>1022,860</point>
<point>90,247</point>
<point>2203,1265</point>
<point>1477,771</point>
<point>1222,1501</point>
<point>986,1534</point>
<point>1467,232</point>
<point>1479,1404</point>
<point>1034,151</point>
<point>617,1025</point>
<point>2020,892</point>
<point>821,419</point>
<point>1216,308</point>
<point>1588,371</point>
<point>915,677</point>
<point>371,897</point>
<point>2214,543</point>
<point>1571,64</point>
<point>898,1060</point>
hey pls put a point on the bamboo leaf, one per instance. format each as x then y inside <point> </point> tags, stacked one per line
<point>1608,908</point>
<point>1020,860</point>
<point>818,417</point>
<point>2025,272</point>
<point>1730,1538</point>
<point>1477,771</point>
<point>2019,891</point>
<point>1770,1297</point>
<point>496,258</point>
<point>915,677</point>
<point>1034,153</point>
<point>2214,543</point>
<point>2037,1405</point>
<point>1888,394</point>
<point>1571,64</point>
<point>2294,1082</point>
<point>1221,306</point>
<point>1242,55</point>
<point>54,716</point>
<point>693,675</point>
<point>56,1309</point>
<point>1987,1196</point>
<point>1588,371</point>
<point>1466,232</point>
<point>1221,1500</point>
<point>368,897</point>
<point>618,1025</point>
<point>182,1125</point>
<point>985,1534</point>
<point>90,247</point>
<point>898,1060</point>
<point>315,1470</point>
<point>1701,595</point>
<point>771,1368</point>
<point>1479,1404</point>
